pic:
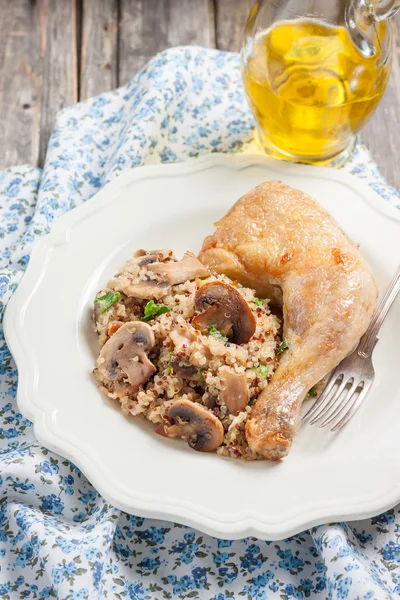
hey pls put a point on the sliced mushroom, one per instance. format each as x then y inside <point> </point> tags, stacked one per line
<point>143,258</point>
<point>126,351</point>
<point>188,269</point>
<point>203,431</point>
<point>145,289</point>
<point>226,309</point>
<point>234,393</point>
<point>189,372</point>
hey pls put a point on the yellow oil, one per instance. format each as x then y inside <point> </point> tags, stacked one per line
<point>311,90</point>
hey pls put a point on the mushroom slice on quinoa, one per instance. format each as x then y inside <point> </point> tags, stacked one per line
<point>126,351</point>
<point>189,372</point>
<point>188,269</point>
<point>142,258</point>
<point>144,289</point>
<point>225,309</point>
<point>234,393</point>
<point>200,427</point>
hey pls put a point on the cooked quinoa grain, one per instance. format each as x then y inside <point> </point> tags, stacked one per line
<point>168,333</point>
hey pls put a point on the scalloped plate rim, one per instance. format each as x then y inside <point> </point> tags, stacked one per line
<point>43,418</point>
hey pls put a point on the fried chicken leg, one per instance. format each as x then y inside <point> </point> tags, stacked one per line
<point>282,243</point>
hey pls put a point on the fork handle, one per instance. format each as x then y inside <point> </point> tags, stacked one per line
<point>368,340</point>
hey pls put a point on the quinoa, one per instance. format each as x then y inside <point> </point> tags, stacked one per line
<point>180,348</point>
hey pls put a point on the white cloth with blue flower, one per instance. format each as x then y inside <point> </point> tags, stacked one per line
<point>58,537</point>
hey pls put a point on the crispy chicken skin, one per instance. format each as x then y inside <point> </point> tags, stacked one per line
<point>282,243</point>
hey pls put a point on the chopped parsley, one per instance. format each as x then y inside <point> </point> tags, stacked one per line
<point>263,370</point>
<point>258,301</point>
<point>152,310</point>
<point>107,300</point>
<point>284,345</point>
<point>212,330</point>
<point>312,393</point>
<point>169,367</point>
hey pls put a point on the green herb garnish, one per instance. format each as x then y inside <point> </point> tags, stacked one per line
<point>107,300</point>
<point>169,368</point>
<point>312,393</point>
<point>202,371</point>
<point>212,330</point>
<point>152,310</point>
<point>284,345</point>
<point>263,370</point>
<point>258,301</point>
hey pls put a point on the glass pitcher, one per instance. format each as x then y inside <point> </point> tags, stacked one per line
<point>314,72</point>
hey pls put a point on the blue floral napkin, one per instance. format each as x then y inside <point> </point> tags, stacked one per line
<point>58,537</point>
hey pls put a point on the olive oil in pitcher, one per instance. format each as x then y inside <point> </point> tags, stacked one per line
<point>310,89</point>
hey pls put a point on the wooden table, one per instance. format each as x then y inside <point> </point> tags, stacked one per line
<point>56,52</point>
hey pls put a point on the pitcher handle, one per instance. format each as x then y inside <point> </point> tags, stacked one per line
<point>360,15</point>
<point>388,9</point>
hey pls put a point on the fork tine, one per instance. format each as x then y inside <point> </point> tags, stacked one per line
<point>354,407</point>
<point>345,401</point>
<point>332,401</point>
<point>323,396</point>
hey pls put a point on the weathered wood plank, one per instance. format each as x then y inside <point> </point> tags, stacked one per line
<point>60,64</point>
<point>382,134</point>
<point>99,69</point>
<point>149,26</point>
<point>22,26</point>
<point>230,19</point>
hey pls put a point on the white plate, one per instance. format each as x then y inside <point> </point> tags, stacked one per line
<point>326,477</point>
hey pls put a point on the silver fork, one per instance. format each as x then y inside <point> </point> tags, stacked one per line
<point>352,379</point>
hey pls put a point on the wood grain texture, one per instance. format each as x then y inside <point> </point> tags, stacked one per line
<point>22,27</point>
<point>382,134</point>
<point>230,19</point>
<point>149,26</point>
<point>41,42</point>
<point>99,68</point>
<point>60,72</point>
